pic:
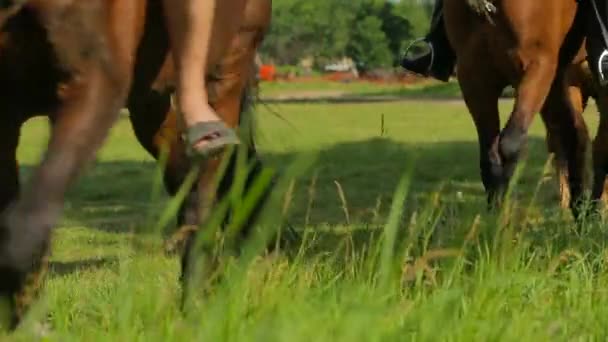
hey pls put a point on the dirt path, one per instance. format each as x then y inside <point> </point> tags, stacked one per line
<point>342,97</point>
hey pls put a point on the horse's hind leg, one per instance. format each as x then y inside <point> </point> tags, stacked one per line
<point>536,56</point>
<point>9,169</point>
<point>9,186</point>
<point>90,102</point>
<point>600,149</point>
<point>481,95</point>
<point>567,134</point>
<point>560,163</point>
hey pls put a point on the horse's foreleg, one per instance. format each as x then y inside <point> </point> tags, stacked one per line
<point>82,124</point>
<point>155,124</point>
<point>90,101</point>
<point>532,91</point>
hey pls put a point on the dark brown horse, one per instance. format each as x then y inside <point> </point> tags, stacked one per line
<point>80,62</point>
<point>528,45</point>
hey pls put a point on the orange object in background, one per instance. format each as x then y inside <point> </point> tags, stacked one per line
<point>267,72</point>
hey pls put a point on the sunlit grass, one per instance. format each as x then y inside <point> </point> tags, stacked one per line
<point>366,268</point>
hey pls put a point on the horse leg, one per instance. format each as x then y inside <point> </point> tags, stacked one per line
<point>155,125</point>
<point>566,128</point>
<point>481,97</point>
<point>600,148</point>
<point>531,94</point>
<point>560,162</point>
<point>9,169</point>
<point>90,100</point>
<point>9,190</point>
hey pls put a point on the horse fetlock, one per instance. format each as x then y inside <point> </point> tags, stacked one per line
<point>23,265</point>
<point>25,236</point>
<point>491,171</point>
<point>511,142</point>
<point>599,184</point>
<point>495,197</point>
<point>176,244</point>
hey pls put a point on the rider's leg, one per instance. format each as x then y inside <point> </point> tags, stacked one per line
<point>440,60</point>
<point>190,25</point>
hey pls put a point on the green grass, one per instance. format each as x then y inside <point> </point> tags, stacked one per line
<point>488,277</point>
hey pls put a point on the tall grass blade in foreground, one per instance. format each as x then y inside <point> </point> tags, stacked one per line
<point>390,230</point>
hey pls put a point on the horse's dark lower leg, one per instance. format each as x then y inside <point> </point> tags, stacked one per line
<point>198,262</point>
<point>577,140</point>
<point>600,150</point>
<point>562,114</point>
<point>227,93</point>
<point>560,162</point>
<point>155,126</point>
<point>9,168</point>
<point>9,190</point>
<point>481,95</point>
<point>91,99</point>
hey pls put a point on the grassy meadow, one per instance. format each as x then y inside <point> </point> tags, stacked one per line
<point>394,242</point>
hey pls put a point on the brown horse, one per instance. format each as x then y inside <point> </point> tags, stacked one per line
<point>528,45</point>
<point>81,62</point>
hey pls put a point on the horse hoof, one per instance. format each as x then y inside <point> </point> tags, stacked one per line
<point>585,212</point>
<point>176,244</point>
<point>24,240</point>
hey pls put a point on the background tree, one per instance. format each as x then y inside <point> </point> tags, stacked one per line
<point>371,32</point>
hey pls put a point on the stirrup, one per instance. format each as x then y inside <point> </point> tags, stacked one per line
<point>603,77</point>
<point>409,47</point>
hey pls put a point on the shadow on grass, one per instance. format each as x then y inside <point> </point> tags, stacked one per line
<point>116,196</point>
<point>58,268</point>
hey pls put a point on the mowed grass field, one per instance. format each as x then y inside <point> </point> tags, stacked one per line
<point>456,272</point>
